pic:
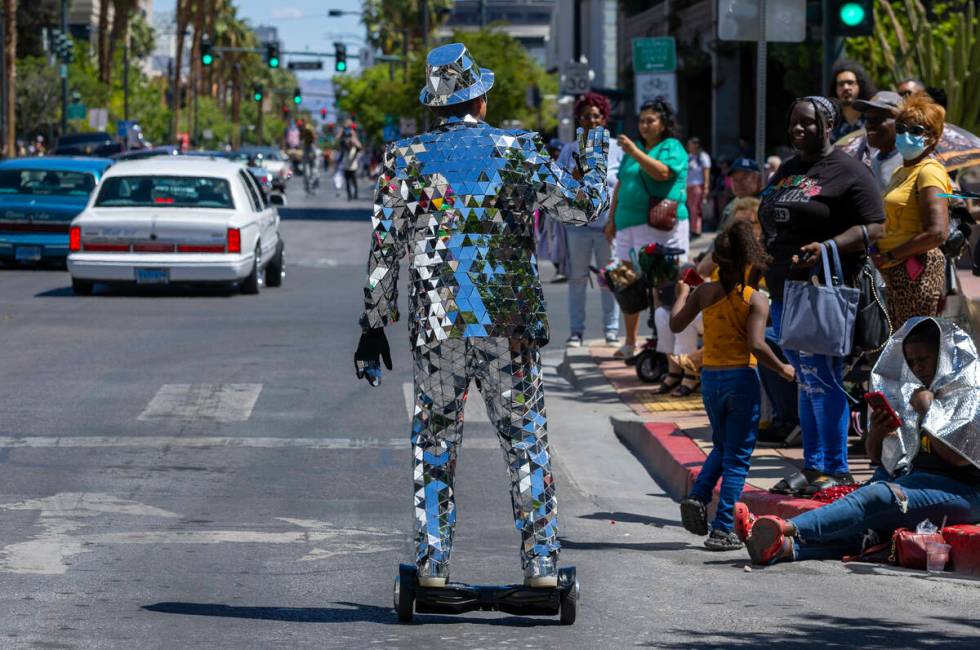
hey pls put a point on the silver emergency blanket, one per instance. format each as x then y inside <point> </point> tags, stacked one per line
<point>954,417</point>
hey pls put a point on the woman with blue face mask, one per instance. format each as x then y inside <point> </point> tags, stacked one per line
<point>916,217</point>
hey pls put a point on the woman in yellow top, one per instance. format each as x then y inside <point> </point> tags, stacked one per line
<point>734,329</point>
<point>916,217</point>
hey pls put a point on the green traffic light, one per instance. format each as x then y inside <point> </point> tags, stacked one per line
<point>258,97</point>
<point>207,59</point>
<point>852,14</point>
<point>341,66</point>
<point>297,99</point>
<point>273,62</point>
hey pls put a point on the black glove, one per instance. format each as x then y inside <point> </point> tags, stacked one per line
<point>371,350</point>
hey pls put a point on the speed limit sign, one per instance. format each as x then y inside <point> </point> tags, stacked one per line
<point>575,78</point>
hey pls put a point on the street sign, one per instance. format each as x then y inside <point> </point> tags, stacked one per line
<point>655,54</point>
<point>738,20</point>
<point>575,78</point>
<point>366,57</point>
<point>77,111</point>
<point>305,65</point>
<point>98,118</point>
<point>407,126</point>
<point>650,85</point>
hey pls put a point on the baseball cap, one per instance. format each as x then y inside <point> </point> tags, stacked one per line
<point>885,100</point>
<point>743,164</point>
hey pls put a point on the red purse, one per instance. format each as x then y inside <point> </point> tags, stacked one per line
<point>662,213</point>
<point>909,548</point>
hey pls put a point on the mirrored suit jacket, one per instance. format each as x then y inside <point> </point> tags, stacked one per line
<point>460,200</point>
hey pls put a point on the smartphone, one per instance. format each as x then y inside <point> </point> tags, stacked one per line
<point>877,401</point>
<point>691,277</point>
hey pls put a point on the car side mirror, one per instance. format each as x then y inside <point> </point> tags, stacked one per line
<point>277,199</point>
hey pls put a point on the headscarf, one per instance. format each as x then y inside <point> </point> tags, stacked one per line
<point>954,417</point>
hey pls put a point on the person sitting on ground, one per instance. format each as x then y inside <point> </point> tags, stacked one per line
<point>734,317</point>
<point>930,465</point>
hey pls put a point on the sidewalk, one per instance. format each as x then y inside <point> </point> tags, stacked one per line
<point>671,437</point>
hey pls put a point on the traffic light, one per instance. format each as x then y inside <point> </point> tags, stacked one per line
<point>297,96</point>
<point>62,46</point>
<point>207,52</point>
<point>272,55</point>
<point>852,18</point>
<point>258,92</point>
<point>339,57</point>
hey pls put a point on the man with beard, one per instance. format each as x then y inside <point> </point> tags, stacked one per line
<point>850,83</point>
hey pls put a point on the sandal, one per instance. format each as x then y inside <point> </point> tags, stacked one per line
<point>665,388</point>
<point>743,521</point>
<point>795,484</point>
<point>722,541</point>
<point>767,542</point>
<point>694,516</point>
<point>686,389</point>
<point>824,481</point>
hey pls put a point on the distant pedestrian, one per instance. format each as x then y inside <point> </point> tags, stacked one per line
<point>850,83</point>
<point>655,169</point>
<point>698,182</point>
<point>917,218</point>
<point>910,86</point>
<point>588,243</point>
<point>734,317</point>
<point>772,164</point>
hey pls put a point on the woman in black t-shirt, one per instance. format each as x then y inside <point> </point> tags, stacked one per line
<point>817,195</point>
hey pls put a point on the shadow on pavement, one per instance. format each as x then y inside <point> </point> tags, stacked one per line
<point>345,612</point>
<point>326,214</point>
<point>625,546</point>
<point>632,518</point>
<point>175,290</point>
<point>814,630</point>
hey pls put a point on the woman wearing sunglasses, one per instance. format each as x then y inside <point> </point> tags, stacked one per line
<point>916,217</point>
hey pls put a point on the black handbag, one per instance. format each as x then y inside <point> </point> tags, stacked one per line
<point>872,325</point>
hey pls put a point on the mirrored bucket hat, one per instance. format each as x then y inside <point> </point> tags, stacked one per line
<point>453,77</point>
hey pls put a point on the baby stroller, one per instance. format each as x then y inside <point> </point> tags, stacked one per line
<point>654,268</point>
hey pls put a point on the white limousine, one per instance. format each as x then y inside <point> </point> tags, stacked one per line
<point>176,219</point>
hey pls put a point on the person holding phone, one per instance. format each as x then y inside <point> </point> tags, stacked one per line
<point>930,463</point>
<point>734,316</point>
<point>916,216</point>
<point>819,194</point>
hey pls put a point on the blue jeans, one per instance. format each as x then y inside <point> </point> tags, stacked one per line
<point>583,243</point>
<point>837,529</point>
<point>783,395</point>
<point>823,407</point>
<point>731,398</point>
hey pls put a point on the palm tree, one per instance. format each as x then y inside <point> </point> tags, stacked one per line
<point>102,45</point>
<point>232,31</point>
<point>10,53</point>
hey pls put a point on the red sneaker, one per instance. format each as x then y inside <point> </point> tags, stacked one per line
<point>743,521</point>
<point>767,540</point>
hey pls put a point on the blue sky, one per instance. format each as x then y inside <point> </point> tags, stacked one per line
<point>303,25</point>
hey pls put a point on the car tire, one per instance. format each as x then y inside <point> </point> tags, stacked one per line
<point>82,287</point>
<point>275,271</point>
<point>253,283</point>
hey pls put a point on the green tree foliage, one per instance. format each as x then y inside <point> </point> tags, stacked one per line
<point>387,21</point>
<point>937,42</point>
<point>32,17</point>
<point>373,95</point>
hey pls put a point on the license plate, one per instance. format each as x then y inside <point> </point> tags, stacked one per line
<point>28,253</point>
<point>152,276</point>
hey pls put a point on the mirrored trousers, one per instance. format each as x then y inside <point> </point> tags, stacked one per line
<point>507,372</point>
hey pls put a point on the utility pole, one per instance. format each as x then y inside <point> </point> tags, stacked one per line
<point>760,89</point>
<point>3,80</point>
<point>64,71</point>
<point>483,13</point>
<point>125,75</point>
<point>260,123</point>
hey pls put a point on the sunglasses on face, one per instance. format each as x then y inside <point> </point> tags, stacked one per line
<point>914,129</point>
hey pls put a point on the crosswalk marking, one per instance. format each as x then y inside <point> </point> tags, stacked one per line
<point>475,411</point>
<point>211,402</point>
<point>162,442</point>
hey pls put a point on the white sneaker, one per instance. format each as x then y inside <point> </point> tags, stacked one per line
<point>625,352</point>
<point>574,341</point>
<point>612,338</point>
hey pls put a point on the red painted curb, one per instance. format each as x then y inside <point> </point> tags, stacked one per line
<point>675,459</point>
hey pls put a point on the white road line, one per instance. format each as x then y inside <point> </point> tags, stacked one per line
<point>165,442</point>
<point>475,410</point>
<point>212,402</point>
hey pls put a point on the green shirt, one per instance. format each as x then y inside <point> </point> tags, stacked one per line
<point>633,200</point>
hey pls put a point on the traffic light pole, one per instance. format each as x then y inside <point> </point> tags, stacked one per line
<point>762,54</point>
<point>64,72</point>
<point>259,123</point>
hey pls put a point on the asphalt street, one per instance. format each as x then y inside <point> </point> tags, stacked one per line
<point>200,469</point>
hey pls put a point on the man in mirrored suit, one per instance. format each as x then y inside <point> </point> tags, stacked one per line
<point>460,200</point>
